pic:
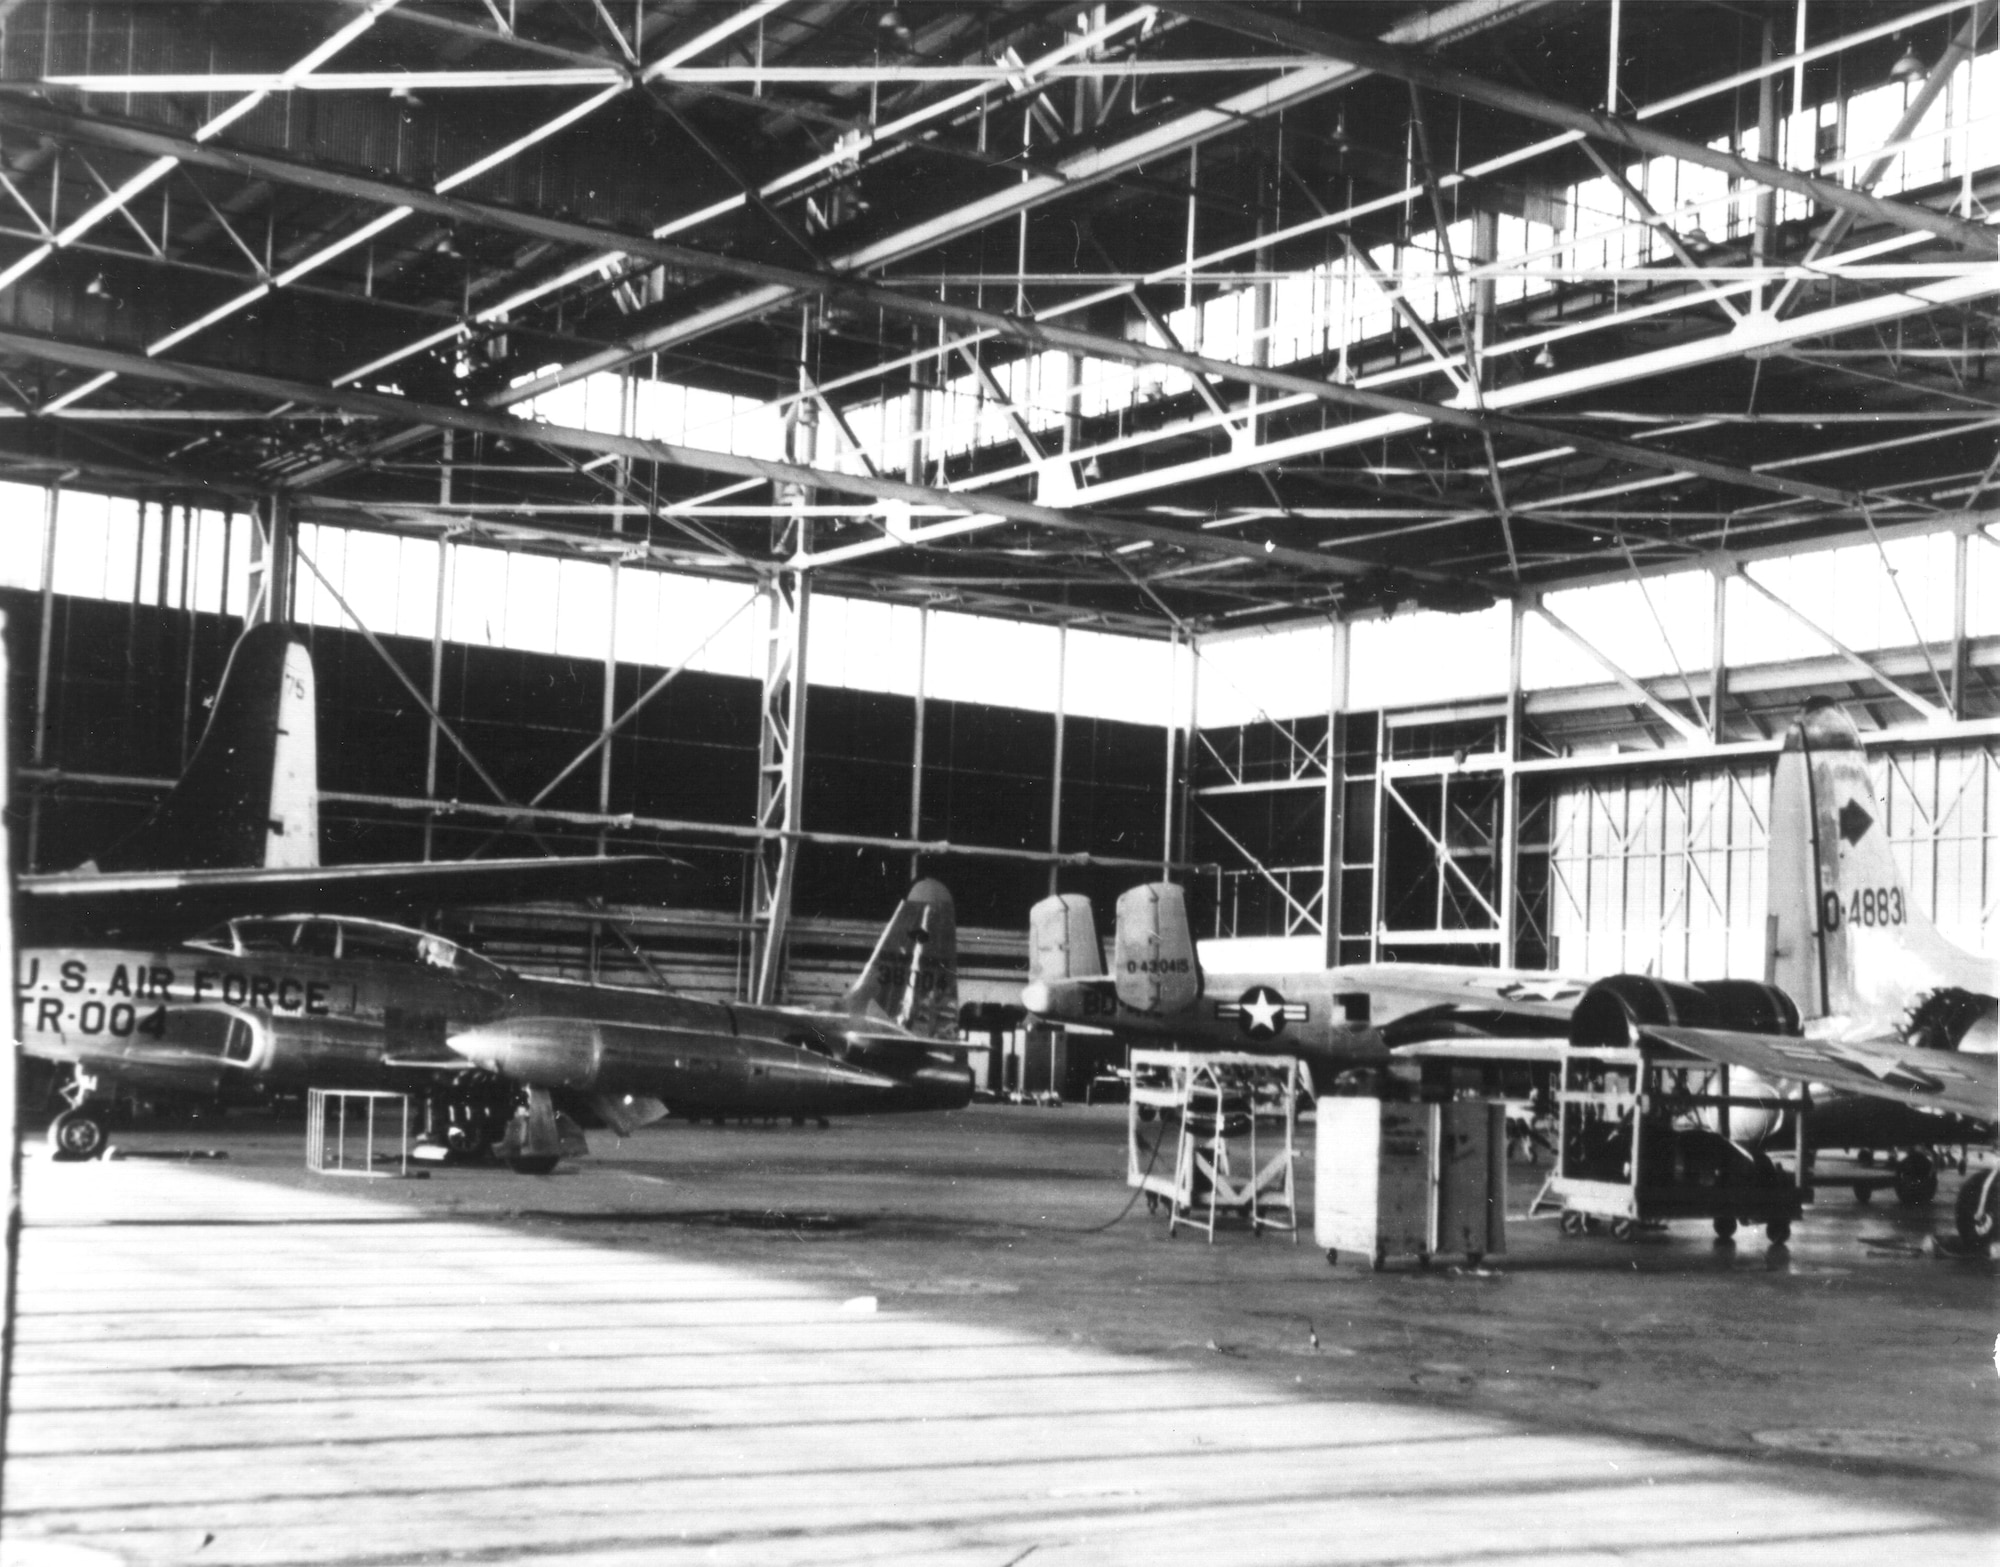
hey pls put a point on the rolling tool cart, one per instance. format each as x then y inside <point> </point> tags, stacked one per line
<point>1638,1146</point>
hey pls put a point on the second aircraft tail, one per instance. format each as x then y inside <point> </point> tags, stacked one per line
<point>250,796</point>
<point>1153,957</point>
<point>1849,941</point>
<point>912,977</point>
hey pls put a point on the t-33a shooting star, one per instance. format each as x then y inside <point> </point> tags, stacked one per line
<point>179,966</point>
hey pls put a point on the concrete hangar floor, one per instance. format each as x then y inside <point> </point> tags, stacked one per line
<point>925,1340</point>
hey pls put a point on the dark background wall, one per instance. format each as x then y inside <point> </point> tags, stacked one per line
<point>129,688</point>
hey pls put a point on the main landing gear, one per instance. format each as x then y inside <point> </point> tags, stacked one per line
<point>1916,1180</point>
<point>1979,1207</point>
<point>539,1136</point>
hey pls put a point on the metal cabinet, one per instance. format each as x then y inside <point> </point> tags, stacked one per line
<point>1410,1180</point>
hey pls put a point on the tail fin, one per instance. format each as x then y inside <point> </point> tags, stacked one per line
<point>1153,958</point>
<point>912,977</point>
<point>1062,940</point>
<point>1850,942</point>
<point>250,797</point>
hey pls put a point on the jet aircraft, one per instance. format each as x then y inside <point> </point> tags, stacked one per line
<point>269,1004</point>
<point>1867,998</point>
<point>268,1000</point>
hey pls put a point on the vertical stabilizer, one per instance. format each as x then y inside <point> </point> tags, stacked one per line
<point>250,797</point>
<point>1153,958</point>
<point>1851,942</point>
<point>1062,940</point>
<point>912,978</point>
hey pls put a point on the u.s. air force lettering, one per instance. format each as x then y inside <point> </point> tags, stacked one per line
<point>1262,1013</point>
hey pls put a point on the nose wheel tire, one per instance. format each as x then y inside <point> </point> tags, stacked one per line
<point>533,1163</point>
<point>76,1135</point>
<point>1725,1228</point>
<point>1778,1231</point>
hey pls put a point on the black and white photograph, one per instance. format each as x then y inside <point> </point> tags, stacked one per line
<point>988,783</point>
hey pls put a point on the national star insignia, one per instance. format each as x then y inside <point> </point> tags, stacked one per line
<point>1262,1012</point>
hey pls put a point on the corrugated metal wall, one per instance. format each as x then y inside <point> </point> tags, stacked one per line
<point>1665,874</point>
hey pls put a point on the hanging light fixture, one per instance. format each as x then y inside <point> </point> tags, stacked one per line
<point>892,24</point>
<point>1697,238</point>
<point>1545,358</point>
<point>1909,66</point>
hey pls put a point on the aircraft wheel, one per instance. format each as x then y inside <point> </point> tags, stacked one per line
<point>533,1163</point>
<point>1571,1222</point>
<point>1916,1180</point>
<point>1863,1192</point>
<point>1778,1231</point>
<point>1623,1229</point>
<point>1332,1255</point>
<point>1979,1208</point>
<point>1725,1227</point>
<point>76,1135</point>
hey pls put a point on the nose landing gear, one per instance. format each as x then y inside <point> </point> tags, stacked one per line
<point>78,1134</point>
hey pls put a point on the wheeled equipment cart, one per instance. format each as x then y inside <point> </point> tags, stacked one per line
<point>1233,1121</point>
<point>1642,1140</point>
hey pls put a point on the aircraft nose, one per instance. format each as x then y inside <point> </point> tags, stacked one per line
<point>1035,997</point>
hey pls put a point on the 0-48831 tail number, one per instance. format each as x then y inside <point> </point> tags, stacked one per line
<point>1868,907</point>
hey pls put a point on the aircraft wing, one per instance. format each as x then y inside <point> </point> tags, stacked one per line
<point>1964,1082</point>
<point>1435,996</point>
<point>92,906</point>
<point>1533,1052</point>
<point>887,1047</point>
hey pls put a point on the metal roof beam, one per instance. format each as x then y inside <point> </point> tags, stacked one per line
<point>784,283</point>
<point>403,410</point>
<point>1618,130</point>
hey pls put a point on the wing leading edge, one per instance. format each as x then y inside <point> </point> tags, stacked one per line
<point>1964,1082</point>
<point>87,905</point>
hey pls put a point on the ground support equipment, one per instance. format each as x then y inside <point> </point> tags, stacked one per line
<point>1234,1121</point>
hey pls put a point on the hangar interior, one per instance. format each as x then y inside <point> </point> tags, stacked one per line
<point>1394,468</point>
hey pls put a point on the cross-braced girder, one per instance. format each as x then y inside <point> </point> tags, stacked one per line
<point>1162,317</point>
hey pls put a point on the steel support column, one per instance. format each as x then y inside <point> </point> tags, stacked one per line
<point>917,741</point>
<point>1718,657</point>
<point>1333,822</point>
<point>1056,769</point>
<point>1167,777</point>
<point>1510,790</point>
<point>51,503</point>
<point>781,749</point>
<point>1961,546</point>
<point>273,561</point>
